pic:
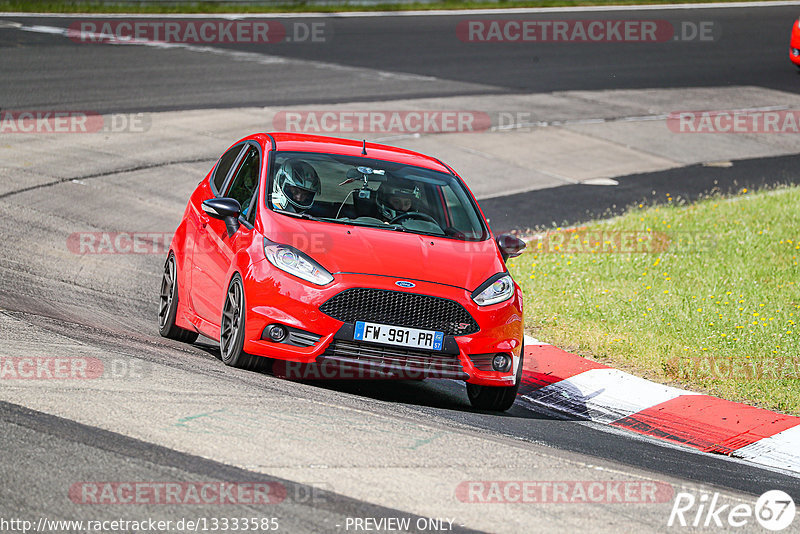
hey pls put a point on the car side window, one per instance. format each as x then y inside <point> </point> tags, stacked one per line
<point>225,162</point>
<point>460,218</point>
<point>245,184</point>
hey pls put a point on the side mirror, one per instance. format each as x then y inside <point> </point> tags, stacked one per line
<point>510,246</point>
<point>224,209</point>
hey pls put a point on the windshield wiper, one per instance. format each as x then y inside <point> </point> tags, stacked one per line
<point>298,215</point>
<point>383,226</point>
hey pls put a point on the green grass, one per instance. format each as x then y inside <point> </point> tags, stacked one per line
<point>709,301</point>
<point>296,6</point>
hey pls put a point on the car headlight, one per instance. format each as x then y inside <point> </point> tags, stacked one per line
<point>292,261</point>
<point>495,289</point>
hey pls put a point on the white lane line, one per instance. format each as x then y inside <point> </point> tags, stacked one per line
<point>603,395</point>
<point>236,55</point>
<point>781,450</point>
<point>436,12</point>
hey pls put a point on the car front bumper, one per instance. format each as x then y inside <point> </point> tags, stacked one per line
<point>274,297</point>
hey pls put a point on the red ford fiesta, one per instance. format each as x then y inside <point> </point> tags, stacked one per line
<point>313,250</point>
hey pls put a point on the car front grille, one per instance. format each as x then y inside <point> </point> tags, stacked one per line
<point>394,361</point>
<point>398,308</point>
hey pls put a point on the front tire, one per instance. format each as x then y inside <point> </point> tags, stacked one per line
<point>168,305</point>
<point>231,336</point>
<point>496,398</point>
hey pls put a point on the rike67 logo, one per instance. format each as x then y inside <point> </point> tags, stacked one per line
<point>774,510</point>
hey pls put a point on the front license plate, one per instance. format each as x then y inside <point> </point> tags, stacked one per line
<point>398,335</point>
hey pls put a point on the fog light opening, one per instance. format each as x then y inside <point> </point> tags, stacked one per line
<point>501,362</point>
<point>277,333</point>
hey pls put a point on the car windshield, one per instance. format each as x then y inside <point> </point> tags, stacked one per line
<point>374,193</point>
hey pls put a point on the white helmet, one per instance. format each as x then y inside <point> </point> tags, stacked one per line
<point>296,183</point>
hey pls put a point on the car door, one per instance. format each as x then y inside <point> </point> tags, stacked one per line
<point>214,248</point>
<point>207,189</point>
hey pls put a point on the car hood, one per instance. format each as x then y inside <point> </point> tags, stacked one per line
<point>342,248</point>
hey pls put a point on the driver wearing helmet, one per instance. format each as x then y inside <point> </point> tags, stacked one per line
<point>396,198</point>
<point>295,186</point>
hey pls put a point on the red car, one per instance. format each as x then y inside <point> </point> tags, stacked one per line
<point>794,44</point>
<point>303,249</point>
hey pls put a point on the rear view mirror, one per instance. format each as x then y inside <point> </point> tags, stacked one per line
<point>224,209</point>
<point>510,246</point>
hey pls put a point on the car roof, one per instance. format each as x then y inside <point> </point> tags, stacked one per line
<point>296,142</point>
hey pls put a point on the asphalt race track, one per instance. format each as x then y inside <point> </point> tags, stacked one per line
<point>749,48</point>
<point>335,451</point>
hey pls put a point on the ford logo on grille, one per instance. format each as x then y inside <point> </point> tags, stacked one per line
<point>403,283</point>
